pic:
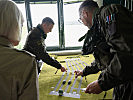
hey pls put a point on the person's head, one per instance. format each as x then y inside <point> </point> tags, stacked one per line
<point>11,20</point>
<point>47,24</point>
<point>86,11</point>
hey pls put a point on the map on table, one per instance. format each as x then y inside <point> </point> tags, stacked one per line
<point>74,92</point>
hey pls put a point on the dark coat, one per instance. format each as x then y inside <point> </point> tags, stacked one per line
<point>35,44</point>
<point>115,23</point>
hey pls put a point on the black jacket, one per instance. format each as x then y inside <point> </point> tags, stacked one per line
<point>35,44</point>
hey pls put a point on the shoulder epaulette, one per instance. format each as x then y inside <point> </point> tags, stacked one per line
<point>25,52</point>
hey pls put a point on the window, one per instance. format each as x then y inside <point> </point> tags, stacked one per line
<point>72,28</point>
<point>38,12</point>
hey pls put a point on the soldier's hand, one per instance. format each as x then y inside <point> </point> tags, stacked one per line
<point>63,69</point>
<point>93,88</point>
<point>78,73</point>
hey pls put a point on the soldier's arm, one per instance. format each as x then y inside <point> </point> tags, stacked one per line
<point>118,71</point>
<point>120,68</point>
<point>50,61</point>
<point>41,53</point>
<point>93,69</point>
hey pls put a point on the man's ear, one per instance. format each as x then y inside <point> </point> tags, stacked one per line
<point>43,24</point>
<point>85,13</point>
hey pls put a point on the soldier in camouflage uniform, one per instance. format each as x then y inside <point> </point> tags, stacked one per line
<point>110,40</point>
<point>35,43</point>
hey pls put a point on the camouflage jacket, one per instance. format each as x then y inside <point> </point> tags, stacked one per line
<point>116,26</point>
<point>35,44</point>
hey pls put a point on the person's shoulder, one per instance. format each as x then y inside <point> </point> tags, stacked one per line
<point>34,33</point>
<point>24,59</point>
<point>116,5</point>
<point>34,29</point>
<point>112,8</point>
<point>109,10</point>
<point>24,53</point>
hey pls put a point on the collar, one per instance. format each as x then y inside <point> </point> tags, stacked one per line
<point>5,42</point>
<point>41,31</point>
<point>94,14</point>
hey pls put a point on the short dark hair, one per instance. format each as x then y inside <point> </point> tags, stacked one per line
<point>88,4</point>
<point>47,20</point>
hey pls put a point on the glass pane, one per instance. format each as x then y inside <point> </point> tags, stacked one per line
<point>38,12</point>
<point>73,29</point>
